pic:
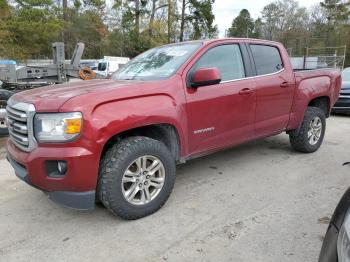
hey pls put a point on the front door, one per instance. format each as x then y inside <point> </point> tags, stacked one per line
<point>222,114</point>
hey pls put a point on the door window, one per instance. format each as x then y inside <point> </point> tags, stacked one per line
<point>226,58</point>
<point>267,59</point>
<point>102,66</point>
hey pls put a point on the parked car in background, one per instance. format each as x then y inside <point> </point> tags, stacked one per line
<point>343,103</point>
<point>336,244</point>
<point>4,96</point>
<point>118,140</point>
<point>110,64</point>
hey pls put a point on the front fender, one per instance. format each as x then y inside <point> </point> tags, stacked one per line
<point>112,118</point>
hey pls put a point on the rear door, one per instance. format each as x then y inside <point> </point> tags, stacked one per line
<point>274,89</point>
<point>221,114</point>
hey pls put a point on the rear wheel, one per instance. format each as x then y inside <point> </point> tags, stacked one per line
<point>311,133</point>
<point>137,176</point>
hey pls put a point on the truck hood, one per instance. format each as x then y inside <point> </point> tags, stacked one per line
<point>51,98</point>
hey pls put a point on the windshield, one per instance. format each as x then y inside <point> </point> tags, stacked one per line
<point>346,74</point>
<point>157,63</point>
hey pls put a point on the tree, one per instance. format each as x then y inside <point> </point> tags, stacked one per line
<point>169,20</point>
<point>280,16</point>
<point>7,46</point>
<point>338,25</point>
<point>200,19</point>
<point>129,27</point>
<point>242,26</point>
<point>154,9</point>
<point>65,23</point>
<point>337,10</point>
<point>183,19</point>
<point>286,22</point>
<point>89,15</point>
<point>34,25</point>
<point>270,16</point>
<point>258,27</point>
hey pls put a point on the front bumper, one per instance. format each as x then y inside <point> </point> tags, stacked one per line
<point>76,189</point>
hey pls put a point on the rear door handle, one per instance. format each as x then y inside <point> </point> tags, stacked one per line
<point>246,91</point>
<point>284,84</point>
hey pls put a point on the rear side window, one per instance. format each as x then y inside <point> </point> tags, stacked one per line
<point>267,59</point>
<point>227,58</point>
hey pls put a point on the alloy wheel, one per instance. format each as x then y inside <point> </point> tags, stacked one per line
<point>143,180</point>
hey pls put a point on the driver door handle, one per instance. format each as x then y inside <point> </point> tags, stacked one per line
<point>284,84</point>
<point>246,91</point>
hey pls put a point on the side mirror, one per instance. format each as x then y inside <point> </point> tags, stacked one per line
<point>206,77</point>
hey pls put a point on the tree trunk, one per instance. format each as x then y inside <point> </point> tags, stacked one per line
<point>151,20</point>
<point>182,28</point>
<point>152,17</point>
<point>169,21</point>
<point>137,18</point>
<point>65,26</point>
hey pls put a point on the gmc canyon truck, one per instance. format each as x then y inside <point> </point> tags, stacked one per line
<point>118,141</point>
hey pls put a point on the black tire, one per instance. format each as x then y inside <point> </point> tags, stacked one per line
<point>299,140</point>
<point>113,165</point>
<point>3,132</point>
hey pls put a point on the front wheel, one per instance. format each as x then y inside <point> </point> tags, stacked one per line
<point>136,177</point>
<point>311,133</point>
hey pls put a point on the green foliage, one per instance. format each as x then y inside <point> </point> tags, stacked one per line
<point>6,45</point>
<point>242,26</point>
<point>91,31</point>
<point>22,25</point>
<point>128,27</point>
<point>201,17</point>
<point>34,3</point>
<point>324,25</point>
<point>337,10</point>
<point>337,25</point>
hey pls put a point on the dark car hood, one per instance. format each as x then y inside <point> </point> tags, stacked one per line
<point>345,88</point>
<point>51,98</point>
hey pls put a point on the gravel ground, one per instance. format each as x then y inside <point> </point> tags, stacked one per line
<point>257,202</point>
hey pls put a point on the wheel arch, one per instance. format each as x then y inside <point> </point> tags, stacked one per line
<point>322,102</point>
<point>166,133</point>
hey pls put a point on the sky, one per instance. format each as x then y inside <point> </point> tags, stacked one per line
<point>226,10</point>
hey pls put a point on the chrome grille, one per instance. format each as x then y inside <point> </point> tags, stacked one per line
<point>20,124</point>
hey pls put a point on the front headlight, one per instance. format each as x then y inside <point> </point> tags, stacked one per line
<point>57,127</point>
<point>343,245</point>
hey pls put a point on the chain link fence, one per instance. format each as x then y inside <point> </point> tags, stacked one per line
<point>319,57</point>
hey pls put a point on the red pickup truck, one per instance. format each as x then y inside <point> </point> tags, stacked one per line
<point>118,140</point>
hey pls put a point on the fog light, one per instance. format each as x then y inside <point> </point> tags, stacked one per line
<point>62,167</point>
<point>56,168</point>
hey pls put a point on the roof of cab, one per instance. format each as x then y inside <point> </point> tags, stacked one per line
<point>209,41</point>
